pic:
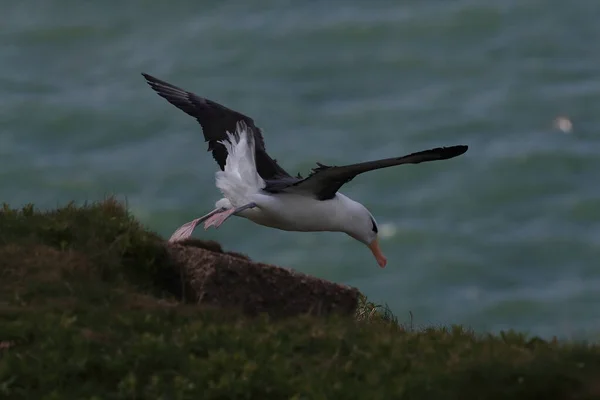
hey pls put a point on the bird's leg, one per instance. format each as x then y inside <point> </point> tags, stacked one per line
<point>185,230</point>
<point>217,219</point>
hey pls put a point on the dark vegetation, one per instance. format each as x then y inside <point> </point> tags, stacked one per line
<point>87,311</point>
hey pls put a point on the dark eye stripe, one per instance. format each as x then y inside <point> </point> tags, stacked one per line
<point>374,226</point>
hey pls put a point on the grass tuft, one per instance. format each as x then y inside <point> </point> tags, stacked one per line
<point>102,235</point>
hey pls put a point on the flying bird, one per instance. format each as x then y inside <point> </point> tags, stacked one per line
<point>256,187</point>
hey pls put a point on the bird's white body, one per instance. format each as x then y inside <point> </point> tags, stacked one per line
<point>241,184</point>
<point>292,212</point>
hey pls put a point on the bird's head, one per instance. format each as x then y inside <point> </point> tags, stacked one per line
<point>363,228</point>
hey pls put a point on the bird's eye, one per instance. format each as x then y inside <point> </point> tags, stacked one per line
<point>374,226</point>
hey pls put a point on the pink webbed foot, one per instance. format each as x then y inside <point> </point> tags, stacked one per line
<point>186,230</point>
<point>217,219</point>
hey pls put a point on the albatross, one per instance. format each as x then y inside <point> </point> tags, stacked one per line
<point>256,187</point>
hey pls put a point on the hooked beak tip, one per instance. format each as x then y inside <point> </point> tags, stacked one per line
<point>374,247</point>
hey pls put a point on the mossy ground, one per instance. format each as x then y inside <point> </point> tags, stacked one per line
<point>88,310</point>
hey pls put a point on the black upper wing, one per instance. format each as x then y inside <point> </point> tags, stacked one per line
<point>216,120</point>
<point>325,181</point>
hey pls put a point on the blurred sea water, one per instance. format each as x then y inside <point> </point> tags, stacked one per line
<point>506,236</point>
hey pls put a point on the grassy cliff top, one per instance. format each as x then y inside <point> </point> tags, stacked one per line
<point>87,312</point>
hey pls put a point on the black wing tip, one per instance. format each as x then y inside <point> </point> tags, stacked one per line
<point>152,81</point>
<point>461,148</point>
<point>158,84</point>
<point>148,77</point>
<point>454,151</point>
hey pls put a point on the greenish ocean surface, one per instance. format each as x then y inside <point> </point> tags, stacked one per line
<point>505,236</point>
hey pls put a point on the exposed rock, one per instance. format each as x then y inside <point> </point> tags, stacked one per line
<point>211,276</point>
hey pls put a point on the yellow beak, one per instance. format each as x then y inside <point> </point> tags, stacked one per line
<point>374,247</point>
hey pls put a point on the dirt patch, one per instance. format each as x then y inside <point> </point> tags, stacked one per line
<point>233,280</point>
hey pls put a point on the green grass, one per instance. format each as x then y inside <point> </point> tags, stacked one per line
<point>89,310</point>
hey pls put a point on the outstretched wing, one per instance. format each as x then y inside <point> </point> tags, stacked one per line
<point>216,120</point>
<point>325,181</point>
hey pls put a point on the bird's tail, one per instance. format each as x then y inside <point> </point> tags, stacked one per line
<point>239,179</point>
